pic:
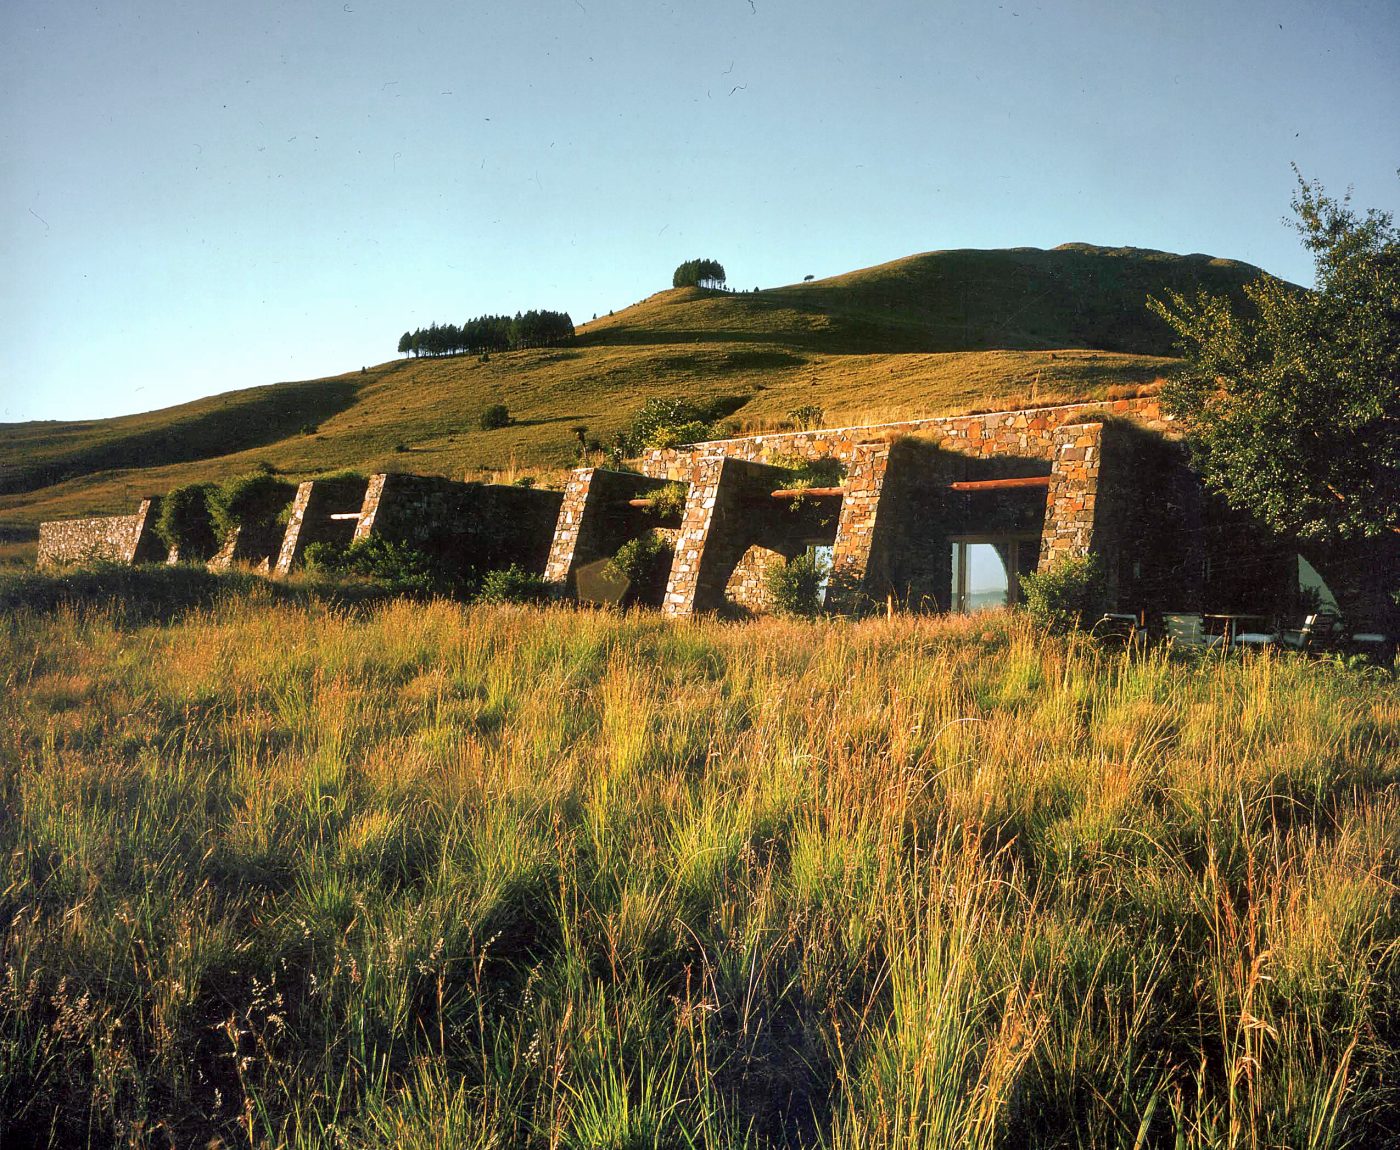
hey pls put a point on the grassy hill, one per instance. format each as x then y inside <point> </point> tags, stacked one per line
<point>930,334</point>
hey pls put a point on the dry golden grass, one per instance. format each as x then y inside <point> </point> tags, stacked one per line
<point>425,875</point>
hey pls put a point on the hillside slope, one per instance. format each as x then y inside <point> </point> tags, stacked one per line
<point>932,333</point>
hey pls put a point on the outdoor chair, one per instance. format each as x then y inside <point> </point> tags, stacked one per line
<point>1119,628</point>
<point>1187,629</point>
<point>1321,631</point>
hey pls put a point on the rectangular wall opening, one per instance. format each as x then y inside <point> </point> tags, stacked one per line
<point>987,570</point>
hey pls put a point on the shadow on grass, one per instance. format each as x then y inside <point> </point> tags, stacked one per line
<point>159,594</point>
<point>222,426</point>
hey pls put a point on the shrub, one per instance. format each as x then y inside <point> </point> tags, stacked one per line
<point>669,502</point>
<point>494,416</point>
<point>186,521</point>
<point>808,415</point>
<point>808,472</point>
<point>794,587</point>
<point>667,422</point>
<point>640,560</point>
<point>513,584</point>
<point>1068,596</point>
<point>395,566</point>
<point>250,502</point>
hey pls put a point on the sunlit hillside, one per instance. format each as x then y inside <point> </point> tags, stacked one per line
<point>930,334</point>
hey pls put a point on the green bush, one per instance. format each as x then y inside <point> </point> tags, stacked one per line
<point>494,416</point>
<point>807,416</point>
<point>696,431</point>
<point>186,521</point>
<point>1068,596</point>
<point>641,559</point>
<point>513,584</point>
<point>250,502</point>
<point>794,587</point>
<point>802,473</point>
<point>394,566</point>
<point>667,422</point>
<point>669,502</point>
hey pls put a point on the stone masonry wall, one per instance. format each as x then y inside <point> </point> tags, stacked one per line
<point>1028,433</point>
<point>595,520</point>
<point>748,584</point>
<point>875,530</point>
<point>114,539</point>
<point>473,526</point>
<point>310,521</point>
<point>854,552</point>
<point>718,526</point>
<point>1072,498</point>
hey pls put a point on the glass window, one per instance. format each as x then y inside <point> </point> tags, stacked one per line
<point>822,553</point>
<point>987,569</point>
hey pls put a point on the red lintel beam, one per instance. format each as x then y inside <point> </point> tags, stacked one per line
<point>999,484</point>
<point>799,492</point>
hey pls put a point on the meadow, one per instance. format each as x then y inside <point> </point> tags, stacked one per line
<point>283,871</point>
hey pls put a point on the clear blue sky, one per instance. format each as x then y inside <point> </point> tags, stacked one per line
<point>198,197</point>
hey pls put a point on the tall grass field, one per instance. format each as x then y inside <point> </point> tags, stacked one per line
<point>278,872</point>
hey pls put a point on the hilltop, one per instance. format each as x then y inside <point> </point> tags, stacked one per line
<point>930,334</point>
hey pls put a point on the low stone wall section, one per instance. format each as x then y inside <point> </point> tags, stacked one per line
<point>313,517</point>
<point>1029,433</point>
<point>474,526</point>
<point>255,547</point>
<point>112,539</point>
<point>595,519</point>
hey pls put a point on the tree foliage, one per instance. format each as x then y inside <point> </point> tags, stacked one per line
<point>795,587</point>
<point>1068,596</point>
<point>699,273</point>
<point>1293,405</point>
<point>251,501</point>
<point>186,521</point>
<point>668,422</point>
<point>493,416</point>
<point>487,333</point>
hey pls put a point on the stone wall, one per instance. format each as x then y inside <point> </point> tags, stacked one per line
<point>729,509</point>
<point>1072,498</point>
<point>748,583</point>
<point>595,519</point>
<point>1028,433</point>
<point>256,546</point>
<point>112,539</point>
<point>897,513</point>
<point>318,515</point>
<point>473,526</point>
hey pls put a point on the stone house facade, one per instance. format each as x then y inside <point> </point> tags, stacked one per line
<point>925,503</point>
<point>938,514</point>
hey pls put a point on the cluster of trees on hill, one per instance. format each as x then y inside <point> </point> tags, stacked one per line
<point>490,333</point>
<point>699,273</point>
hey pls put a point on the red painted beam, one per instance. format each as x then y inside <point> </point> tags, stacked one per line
<point>799,492</point>
<point>1000,484</point>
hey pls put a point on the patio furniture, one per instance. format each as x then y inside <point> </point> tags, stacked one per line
<point>1256,640</point>
<point>1321,631</point>
<point>1233,627</point>
<point>1187,629</point>
<point>1119,628</point>
<point>1373,645</point>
